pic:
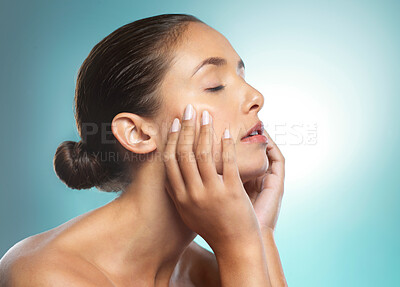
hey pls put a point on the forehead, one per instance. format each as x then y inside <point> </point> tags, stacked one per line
<point>198,43</point>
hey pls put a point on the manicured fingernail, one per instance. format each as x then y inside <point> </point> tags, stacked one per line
<point>205,118</point>
<point>188,112</point>
<point>227,134</point>
<point>175,126</point>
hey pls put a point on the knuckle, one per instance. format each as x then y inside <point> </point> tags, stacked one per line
<point>187,126</point>
<point>167,156</point>
<point>212,188</point>
<point>233,181</point>
<point>203,155</point>
<point>228,157</point>
<point>235,195</point>
<point>185,140</point>
<point>236,189</point>
<point>185,155</point>
<point>180,197</point>
<point>205,137</point>
<point>205,130</point>
<point>198,199</point>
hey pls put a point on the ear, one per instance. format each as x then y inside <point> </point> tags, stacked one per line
<point>133,132</point>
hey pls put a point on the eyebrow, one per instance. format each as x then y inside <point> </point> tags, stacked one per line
<point>217,61</point>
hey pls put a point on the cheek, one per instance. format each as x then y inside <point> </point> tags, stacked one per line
<point>221,121</point>
<point>251,164</point>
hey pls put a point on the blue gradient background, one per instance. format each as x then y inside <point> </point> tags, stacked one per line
<point>333,63</point>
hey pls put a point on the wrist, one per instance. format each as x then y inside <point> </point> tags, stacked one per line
<point>240,246</point>
<point>243,263</point>
<point>267,231</point>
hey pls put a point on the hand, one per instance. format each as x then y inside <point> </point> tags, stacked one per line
<point>266,191</point>
<point>215,207</point>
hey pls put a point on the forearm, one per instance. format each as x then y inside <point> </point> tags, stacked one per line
<point>243,263</point>
<point>208,262</point>
<point>275,269</point>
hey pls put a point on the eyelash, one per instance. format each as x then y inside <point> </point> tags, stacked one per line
<point>215,89</point>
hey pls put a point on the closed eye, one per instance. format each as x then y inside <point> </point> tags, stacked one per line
<point>215,89</point>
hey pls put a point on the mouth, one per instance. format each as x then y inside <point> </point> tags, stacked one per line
<point>257,129</point>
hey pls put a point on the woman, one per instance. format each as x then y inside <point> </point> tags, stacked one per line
<point>179,177</point>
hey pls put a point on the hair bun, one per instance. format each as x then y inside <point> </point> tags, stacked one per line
<point>76,167</point>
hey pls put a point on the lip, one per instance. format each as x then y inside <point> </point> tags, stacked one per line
<point>256,139</point>
<point>259,127</point>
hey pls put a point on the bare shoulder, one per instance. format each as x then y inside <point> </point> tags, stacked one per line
<point>34,261</point>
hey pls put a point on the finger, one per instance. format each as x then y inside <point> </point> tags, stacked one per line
<point>275,158</point>
<point>170,191</point>
<point>185,151</point>
<point>173,172</point>
<point>230,171</point>
<point>204,151</point>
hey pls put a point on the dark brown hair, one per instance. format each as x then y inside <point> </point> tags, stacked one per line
<point>122,73</point>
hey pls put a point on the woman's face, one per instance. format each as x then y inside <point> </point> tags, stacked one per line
<point>234,104</point>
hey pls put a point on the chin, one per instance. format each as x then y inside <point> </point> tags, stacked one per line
<point>252,167</point>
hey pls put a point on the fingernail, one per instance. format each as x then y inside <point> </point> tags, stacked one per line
<point>175,125</point>
<point>188,112</point>
<point>227,134</point>
<point>205,118</point>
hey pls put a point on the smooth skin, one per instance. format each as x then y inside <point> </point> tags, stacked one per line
<point>216,208</point>
<point>140,238</point>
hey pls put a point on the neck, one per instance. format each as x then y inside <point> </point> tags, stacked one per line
<point>141,231</point>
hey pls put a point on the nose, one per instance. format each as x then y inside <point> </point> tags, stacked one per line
<point>254,101</point>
